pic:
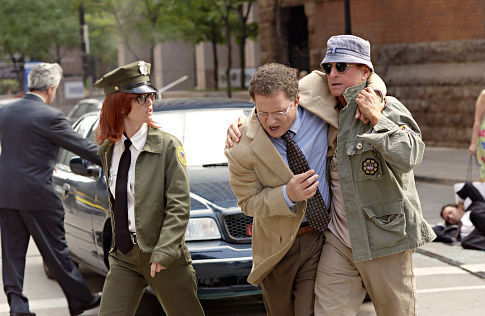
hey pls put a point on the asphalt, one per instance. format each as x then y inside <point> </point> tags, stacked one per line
<point>447,166</point>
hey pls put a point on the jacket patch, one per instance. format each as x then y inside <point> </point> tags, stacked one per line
<point>370,166</point>
<point>181,155</point>
<point>407,129</point>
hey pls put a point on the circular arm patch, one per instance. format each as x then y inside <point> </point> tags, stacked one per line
<point>181,155</point>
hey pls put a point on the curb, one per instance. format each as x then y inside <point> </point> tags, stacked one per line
<point>449,261</point>
<point>432,180</point>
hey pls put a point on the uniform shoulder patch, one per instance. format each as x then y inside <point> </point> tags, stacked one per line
<point>407,129</point>
<point>181,155</point>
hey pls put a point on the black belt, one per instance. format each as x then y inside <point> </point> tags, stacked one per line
<point>133,238</point>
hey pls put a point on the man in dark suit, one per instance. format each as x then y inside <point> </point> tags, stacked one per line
<point>470,221</point>
<point>31,133</point>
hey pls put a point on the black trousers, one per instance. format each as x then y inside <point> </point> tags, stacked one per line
<point>476,239</point>
<point>47,230</point>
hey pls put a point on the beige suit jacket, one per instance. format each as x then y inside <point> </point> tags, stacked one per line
<point>257,173</point>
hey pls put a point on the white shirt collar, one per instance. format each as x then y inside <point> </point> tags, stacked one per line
<point>139,139</point>
<point>43,99</point>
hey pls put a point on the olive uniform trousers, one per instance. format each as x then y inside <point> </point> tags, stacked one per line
<point>129,274</point>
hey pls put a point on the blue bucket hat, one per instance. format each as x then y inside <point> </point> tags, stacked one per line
<point>348,49</point>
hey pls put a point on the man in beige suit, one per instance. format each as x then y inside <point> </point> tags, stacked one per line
<point>286,246</point>
<point>285,250</point>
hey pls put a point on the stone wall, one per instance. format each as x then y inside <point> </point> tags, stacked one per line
<point>438,82</point>
<point>430,53</point>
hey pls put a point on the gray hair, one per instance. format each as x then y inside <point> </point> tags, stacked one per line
<point>45,75</point>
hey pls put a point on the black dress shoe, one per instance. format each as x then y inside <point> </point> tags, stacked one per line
<point>22,314</point>
<point>94,303</point>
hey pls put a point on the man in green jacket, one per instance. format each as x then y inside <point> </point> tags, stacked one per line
<point>376,219</point>
<point>376,214</point>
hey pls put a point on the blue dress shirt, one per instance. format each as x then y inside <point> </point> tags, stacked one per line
<point>310,134</point>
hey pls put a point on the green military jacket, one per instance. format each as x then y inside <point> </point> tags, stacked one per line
<point>162,196</point>
<point>376,176</point>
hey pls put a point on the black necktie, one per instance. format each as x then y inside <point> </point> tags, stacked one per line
<point>316,213</point>
<point>122,235</point>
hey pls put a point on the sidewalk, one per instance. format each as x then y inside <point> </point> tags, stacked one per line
<point>447,166</point>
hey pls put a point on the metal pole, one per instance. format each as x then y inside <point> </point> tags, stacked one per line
<point>348,29</point>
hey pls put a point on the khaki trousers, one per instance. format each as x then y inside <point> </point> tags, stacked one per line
<point>175,287</point>
<point>341,283</point>
<point>288,289</point>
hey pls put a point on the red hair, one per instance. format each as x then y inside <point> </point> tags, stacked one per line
<point>116,107</point>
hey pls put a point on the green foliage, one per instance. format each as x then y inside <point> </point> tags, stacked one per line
<point>103,32</point>
<point>153,21</point>
<point>47,29</point>
<point>9,84</point>
<point>200,22</point>
<point>34,28</point>
<point>243,29</point>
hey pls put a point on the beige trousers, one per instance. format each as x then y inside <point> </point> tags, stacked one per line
<point>341,282</point>
<point>288,289</point>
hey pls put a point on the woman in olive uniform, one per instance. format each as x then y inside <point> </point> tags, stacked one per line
<point>147,180</point>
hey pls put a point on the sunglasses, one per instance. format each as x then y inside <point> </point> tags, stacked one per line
<point>143,98</point>
<point>340,67</point>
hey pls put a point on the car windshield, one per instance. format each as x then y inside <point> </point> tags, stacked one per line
<point>202,132</point>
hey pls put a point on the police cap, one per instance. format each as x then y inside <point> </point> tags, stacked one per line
<point>132,78</point>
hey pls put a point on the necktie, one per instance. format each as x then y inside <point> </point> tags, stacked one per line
<point>122,235</point>
<point>316,213</point>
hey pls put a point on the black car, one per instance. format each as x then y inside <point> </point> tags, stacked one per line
<point>218,235</point>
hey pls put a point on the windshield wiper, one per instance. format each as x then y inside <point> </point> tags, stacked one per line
<point>220,164</point>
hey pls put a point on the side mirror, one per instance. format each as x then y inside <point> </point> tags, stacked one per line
<point>79,166</point>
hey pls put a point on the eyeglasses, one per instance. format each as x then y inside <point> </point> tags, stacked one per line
<point>340,67</point>
<point>276,115</point>
<point>143,98</point>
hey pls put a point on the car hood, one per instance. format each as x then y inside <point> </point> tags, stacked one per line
<point>212,184</point>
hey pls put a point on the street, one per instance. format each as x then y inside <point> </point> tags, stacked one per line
<point>442,289</point>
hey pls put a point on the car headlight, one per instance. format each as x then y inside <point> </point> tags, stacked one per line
<point>203,228</point>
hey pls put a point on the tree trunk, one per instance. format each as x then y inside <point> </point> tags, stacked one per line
<point>58,54</point>
<point>216,62</point>
<point>229,55</point>
<point>18,66</point>
<point>153,74</point>
<point>242,47</point>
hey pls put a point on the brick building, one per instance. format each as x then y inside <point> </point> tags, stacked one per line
<point>431,53</point>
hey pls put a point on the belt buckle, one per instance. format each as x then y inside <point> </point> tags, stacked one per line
<point>133,238</point>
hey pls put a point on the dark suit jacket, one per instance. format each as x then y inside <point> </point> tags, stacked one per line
<point>31,133</point>
<point>476,239</point>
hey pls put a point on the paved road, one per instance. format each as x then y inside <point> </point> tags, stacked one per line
<point>442,289</point>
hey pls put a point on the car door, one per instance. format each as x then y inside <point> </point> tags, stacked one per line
<point>79,200</point>
<point>101,220</point>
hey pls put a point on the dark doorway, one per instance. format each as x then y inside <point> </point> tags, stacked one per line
<point>298,39</point>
